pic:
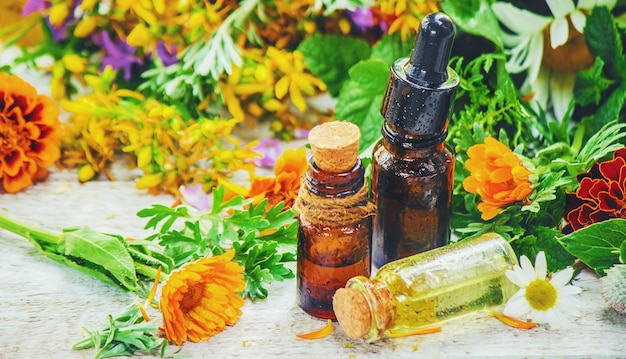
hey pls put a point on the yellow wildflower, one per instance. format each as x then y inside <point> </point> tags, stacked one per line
<point>295,80</point>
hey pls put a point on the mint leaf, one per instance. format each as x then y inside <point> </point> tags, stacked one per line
<point>390,48</point>
<point>361,97</point>
<point>597,245</point>
<point>330,56</point>
<point>475,17</point>
<point>622,252</point>
<point>610,109</point>
<point>590,84</point>
<point>603,40</point>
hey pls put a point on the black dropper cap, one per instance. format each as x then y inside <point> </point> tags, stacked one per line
<point>420,91</point>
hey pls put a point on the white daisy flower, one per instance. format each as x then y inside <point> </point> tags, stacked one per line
<point>540,298</point>
<point>524,39</point>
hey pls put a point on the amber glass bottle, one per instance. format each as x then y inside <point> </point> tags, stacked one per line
<point>335,224</point>
<point>412,166</point>
<point>427,288</point>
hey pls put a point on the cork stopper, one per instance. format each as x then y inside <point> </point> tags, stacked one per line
<point>335,145</point>
<point>352,312</point>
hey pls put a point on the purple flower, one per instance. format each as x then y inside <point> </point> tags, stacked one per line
<point>195,197</point>
<point>361,18</point>
<point>301,133</point>
<point>270,149</point>
<point>118,55</point>
<point>58,33</point>
<point>34,5</point>
<point>167,55</point>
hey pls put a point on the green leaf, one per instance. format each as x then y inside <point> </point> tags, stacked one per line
<point>159,212</point>
<point>330,56</point>
<point>391,48</point>
<point>474,17</point>
<point>103,252</point>
<point>597,245</point>
<point>590,84</point>
<point>603,40</point>
<point>622,252</point>
<point>361,97</point>
<point>125,335</point>
<point>610,109</point>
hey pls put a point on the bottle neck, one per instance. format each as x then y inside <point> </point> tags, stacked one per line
<point>334,184</point>
<point>380,302</point>
<point>400,138</point>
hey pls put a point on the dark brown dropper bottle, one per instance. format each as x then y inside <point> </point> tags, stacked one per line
<point>335,218</point>
<point>412,172</point>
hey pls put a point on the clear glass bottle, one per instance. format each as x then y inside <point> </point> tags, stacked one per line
<point>335,224</point>
<point>412,166</point>
<point>427,288</point>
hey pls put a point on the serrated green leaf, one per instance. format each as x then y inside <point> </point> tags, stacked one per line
<point>325,61</point>
<point>597,245</point>
<point>474,17</point>
<point>603,40</point>
<point>359,101</point>
<point>370,75</point>
<point>590,84</point>
<point>391,48</point>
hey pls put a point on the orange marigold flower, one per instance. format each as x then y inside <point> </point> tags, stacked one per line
<point>283,187</point>
<point>497,175</point>
<point>200,299</point>
<point>29,133</point>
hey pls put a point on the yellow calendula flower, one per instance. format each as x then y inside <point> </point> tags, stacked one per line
<point>201,298</point>
<point>497,175</point>
<point>295,81</point>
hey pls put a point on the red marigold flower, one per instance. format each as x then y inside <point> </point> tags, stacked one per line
<point>29,134</point>
<point>601,194</point>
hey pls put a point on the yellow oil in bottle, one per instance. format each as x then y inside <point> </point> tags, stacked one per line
<point>428,288</point>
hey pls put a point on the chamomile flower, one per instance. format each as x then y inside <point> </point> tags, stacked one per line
<point>541,298</point>
<point>550,49</point>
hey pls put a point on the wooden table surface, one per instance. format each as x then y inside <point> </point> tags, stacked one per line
<point>45,305</point>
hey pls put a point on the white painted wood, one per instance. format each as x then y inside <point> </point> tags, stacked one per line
<point>45,305</point>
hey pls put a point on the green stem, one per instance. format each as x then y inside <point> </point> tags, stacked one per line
<point>34,235</point>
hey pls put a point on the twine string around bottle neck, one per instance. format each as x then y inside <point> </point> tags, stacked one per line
<point>344,210</point>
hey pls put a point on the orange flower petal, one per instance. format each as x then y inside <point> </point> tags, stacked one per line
<point>319,333</point>
<point>417,332</point>
<point>200,299</point>
<point>497,175</point>
<point>512,322</point>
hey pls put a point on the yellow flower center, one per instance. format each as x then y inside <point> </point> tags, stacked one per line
<point>541,294</point>
<point>192,298</point>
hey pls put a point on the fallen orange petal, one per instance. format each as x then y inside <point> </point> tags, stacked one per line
<point>512,322</point>
<point>320,333</point>
<point>417,332</point>
<point>144,314</point>
<point>176,203</point>
<point>157,277</point>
